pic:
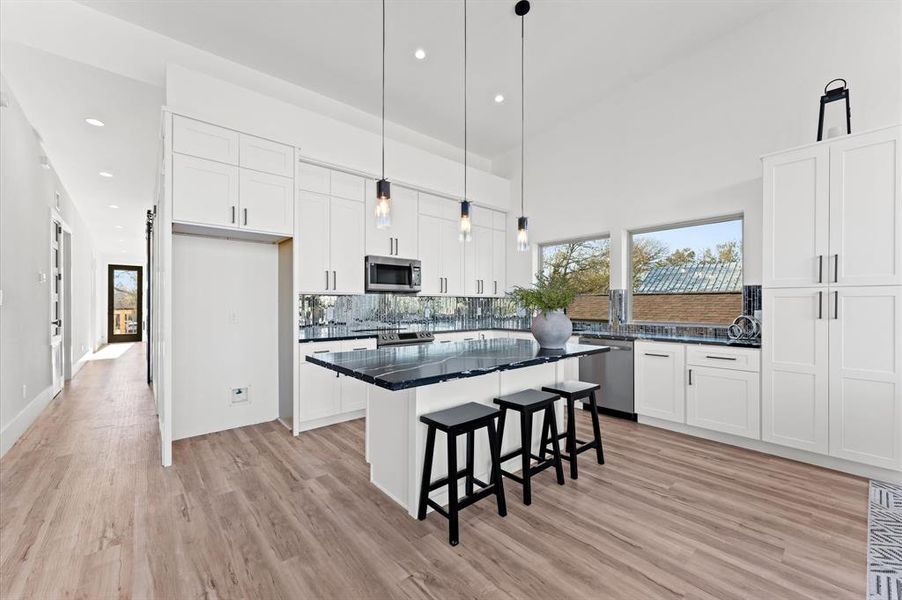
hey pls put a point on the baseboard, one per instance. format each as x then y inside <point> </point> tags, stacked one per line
<point>78,364</point>
<point>827,462</point>
<point>20,423</point>
<point>326,421</point>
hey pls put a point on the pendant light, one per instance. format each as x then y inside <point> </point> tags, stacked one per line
<point>465,227</point>
<point>383,186</point>
<point>521,8</point>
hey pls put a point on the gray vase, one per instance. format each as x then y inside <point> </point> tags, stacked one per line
<point>552,330</point>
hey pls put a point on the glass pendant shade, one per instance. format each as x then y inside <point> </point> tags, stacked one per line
<point>522,235</point>
<point>383,204</point>
<point>465,230</point>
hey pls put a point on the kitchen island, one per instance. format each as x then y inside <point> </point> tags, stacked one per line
<point>410,381</point>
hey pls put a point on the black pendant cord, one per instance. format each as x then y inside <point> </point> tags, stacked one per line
<point>383,89</point>
<point>522,115</point>
<point>465,100</point>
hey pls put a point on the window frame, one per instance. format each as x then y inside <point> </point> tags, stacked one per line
<point>740,216</point>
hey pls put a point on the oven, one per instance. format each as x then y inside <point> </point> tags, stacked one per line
<point>389,274</point>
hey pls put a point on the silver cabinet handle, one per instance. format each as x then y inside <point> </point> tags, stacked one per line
<point>391,246</point>
<point>836,305</point>
<point>245,216</point>
<point>364,348</point>
<point>820,268</point>
<point>321,351</point>
<point>446,284</point>
<point>690,376</point>
<point>820,305</point>
<point>233,215</point>
<point>836,268</point>
<point>397,247</point>
<point>327,279</point>
<point>720,357</point>
<point>334,280</point>
<point>658,355</point>
<point>496,288</point>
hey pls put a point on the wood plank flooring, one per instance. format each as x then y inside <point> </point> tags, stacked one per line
<point>87,512</point>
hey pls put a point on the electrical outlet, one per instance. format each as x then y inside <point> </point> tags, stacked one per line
<point>239,396</point>
<point>233,318</point>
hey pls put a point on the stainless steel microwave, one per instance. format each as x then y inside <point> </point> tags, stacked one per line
<point>390,274</point>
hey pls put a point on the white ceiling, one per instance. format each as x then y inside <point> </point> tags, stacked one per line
<point>578,51</point>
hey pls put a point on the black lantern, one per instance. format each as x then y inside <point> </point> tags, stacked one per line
<point>832,95</point>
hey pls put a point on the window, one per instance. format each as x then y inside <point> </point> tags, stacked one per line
<point>587,264</point>
<point>688,273</point>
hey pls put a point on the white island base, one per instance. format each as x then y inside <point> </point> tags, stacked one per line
<point>396,439</point>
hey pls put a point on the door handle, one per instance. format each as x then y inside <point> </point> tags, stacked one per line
<point>820,268</point>
<point>327,279</point>
<point>836,268</point>
<point>720,357</point>
<point>836,305</point>
<point>58,322</point>
<point>820,305</point>
<point>658,355</point>
<point>245,216</point>
<point>690,376</point>
<point>233,215</point>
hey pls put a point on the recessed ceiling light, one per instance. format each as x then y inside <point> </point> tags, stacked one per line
<point>114,206</point>
<point>121,240</point>
<point>419,53</point>
<point>106,174</point>
<point>499,98</point>
<point>94,122</point>
<point>118,226</point>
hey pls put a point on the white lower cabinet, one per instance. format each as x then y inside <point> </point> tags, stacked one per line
<point>660,380</point>
<point>322,393</point>
<point>866,375</point>
<point>724,400</point>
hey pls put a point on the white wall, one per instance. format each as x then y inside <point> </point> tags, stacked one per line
<point>224,333</point>
<point>685,142</point>
<point>27,193</point>
<point>324,138</point>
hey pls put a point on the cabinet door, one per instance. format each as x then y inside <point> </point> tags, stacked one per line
<point>404,221</point>
<point>452,257</point>
<point>866,375</point>
<point>319,388</point>
<point>478,270</point>
<point>430,251</point>
<point>796,218</point>
<point>204,191</point>
<point>345,185</point>
<point>204,140</point>
<point>660,381</point>
<point>724,400</point>
<point>346,246</point>
<point>267,156</point>
<point>267,202</point>
<point>379,242</point>
<point>353,391</point>
<point>313,178</point>
<point>314,273</point>
<point>866,209</point>
<point>499,264</point>
<point>794,368</point>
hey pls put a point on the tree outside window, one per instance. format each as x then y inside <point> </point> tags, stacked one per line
<point>586,264</point>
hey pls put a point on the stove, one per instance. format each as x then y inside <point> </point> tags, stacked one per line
<point>403,338</point>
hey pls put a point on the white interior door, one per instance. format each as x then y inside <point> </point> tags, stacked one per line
<point>796,218</point>
<point>794,368</point>
<point>866,209</point>
<point>866,375</point>
<point>56,306</point>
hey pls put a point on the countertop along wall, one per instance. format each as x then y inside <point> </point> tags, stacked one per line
<point>684,143</point>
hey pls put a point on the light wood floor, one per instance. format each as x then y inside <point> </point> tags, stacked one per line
<point>86,511</point>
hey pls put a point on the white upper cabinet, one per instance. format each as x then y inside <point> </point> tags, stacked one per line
<point>312,178</point>
<point>499,220</point>
<point>452,258</point>
<point>660,380</point>
<point>499,262</point>
<point>267,202</point>
<point>401,238</point>
<point>479,265</point>
<point>866,209</point>
<point>794,354</point>
<point>204,191</point>
<point>796,218</point>
<point>204,140</point>
<point>346,246</point>
<point>331,245</point>
<point>267,156</point>
<point>441,254</point>
<point>314,273</point>
<point>345,185</point>
<point>866,375</point>
<point>833,213</point>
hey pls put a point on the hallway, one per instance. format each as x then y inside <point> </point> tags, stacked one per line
<point>86,511</point>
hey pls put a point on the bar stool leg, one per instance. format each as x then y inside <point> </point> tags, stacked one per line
<point>500,433</point>
<point>555,445</point>
<point>453,532</point>
<point>525,451</point>
<point>596,429</point>
<point>571,438</point>
<point>543,448</point>
<point>427,472</point>
<point>497,479</point>
<point>469,479</point>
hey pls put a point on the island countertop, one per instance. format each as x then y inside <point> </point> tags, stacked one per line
<point>400,368</point>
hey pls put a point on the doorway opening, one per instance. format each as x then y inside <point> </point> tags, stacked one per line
<point>124,303</point>
<point>60,302</point>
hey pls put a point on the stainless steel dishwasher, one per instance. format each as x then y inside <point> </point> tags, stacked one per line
<point>614,372</point>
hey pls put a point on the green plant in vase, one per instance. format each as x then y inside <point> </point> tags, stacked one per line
<point>547,299</point>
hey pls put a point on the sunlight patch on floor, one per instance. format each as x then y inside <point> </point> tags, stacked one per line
<point>111,351</point>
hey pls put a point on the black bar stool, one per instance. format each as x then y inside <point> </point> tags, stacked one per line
<point>527,403</point>
<point>573,391</point>
<point>464,419</point>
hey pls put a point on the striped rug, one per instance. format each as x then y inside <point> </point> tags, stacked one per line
<point>885,542</point>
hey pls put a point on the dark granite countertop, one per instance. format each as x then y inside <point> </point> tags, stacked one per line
<point>406,367</point>
<point>343,332</point>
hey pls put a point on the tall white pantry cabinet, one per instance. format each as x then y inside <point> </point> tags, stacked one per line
<point>832,301</point>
